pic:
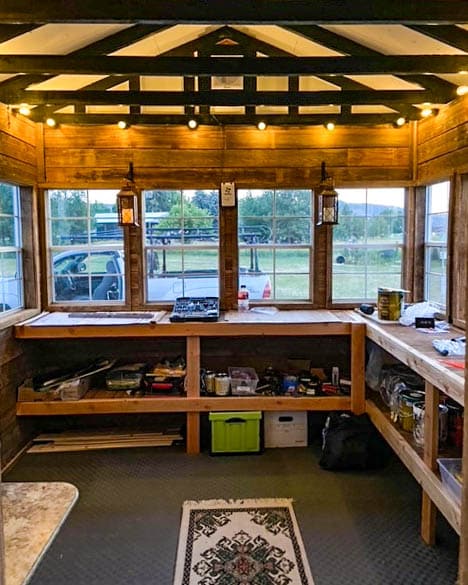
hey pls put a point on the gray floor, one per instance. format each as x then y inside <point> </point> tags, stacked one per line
<point>358,527</point>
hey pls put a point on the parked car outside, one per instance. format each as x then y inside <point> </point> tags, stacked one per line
<point>98,275</point>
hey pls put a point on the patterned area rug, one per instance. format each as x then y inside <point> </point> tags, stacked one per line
<point>240,542</point>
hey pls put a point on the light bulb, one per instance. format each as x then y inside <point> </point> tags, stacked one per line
<point>330,126</point>
<point>401,121</point>
<point>426,112</point>
<point>25,110</point>
<point>192,124</point>
<point>261,125</point>
<point>51,122</point>
<point>122,124</point>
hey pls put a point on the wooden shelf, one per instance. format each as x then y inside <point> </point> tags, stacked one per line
<point>154,404</point>
<point>414,349</point>
<point>231,324</point>
<point>426,477</point>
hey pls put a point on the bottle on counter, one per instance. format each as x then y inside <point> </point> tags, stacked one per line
<point>243,298</point>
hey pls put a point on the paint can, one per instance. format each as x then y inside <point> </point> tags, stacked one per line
<point>406,401</point>
<point>389,303</point>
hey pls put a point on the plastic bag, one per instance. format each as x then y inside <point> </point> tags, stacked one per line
<point>449,346</point>
<point>409,315</point>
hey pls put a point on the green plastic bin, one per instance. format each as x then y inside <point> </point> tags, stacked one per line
<point>235,432</point>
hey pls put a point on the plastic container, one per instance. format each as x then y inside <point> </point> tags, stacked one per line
<point>243,298</point>
<point>451,474</point>
<point>235,432</point>
<point>243,381</point>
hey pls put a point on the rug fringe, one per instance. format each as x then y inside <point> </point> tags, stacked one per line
<point>258,502</point>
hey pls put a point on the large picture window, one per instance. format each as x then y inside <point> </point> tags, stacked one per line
<point>181,244</point>
<point>435,243</point>
<point>86,261</point>
<point>275,243</point>
<point>367,243</point>
<point>11,254</point>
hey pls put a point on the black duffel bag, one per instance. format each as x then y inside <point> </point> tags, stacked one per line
<point>352,442</point>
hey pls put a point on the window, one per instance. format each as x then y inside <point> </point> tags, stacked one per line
<point>367,243</point>
<point>85,247</point>
<point>181,244</point>
<point>275,243</point>
<point>11,254</point>
<point>435,243</point>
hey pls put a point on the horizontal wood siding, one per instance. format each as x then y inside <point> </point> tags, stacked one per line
<point>17,165</point>
<point>178,157</point>
<point>442,143</point>
<point>17,148</point>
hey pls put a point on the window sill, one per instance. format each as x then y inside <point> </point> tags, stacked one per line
<point>16,317</point>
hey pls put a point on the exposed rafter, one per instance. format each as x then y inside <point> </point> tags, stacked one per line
<point>236,12</point>
<point>223,97</point>
<point>224,119</point>
<point>450,35</point>
<point>208,66</point>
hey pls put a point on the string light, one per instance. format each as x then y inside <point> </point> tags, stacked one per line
<point>25,110</point>
<point>122,124</point>
<point>192,124</point>
<point>401,121</point>
<point>330,126</point>
<point>51,122</point>
<point>261,125</point>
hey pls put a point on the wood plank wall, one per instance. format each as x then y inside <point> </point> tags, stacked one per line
<point>177,157</point>
<point>442,154</point>
<point>17,165</point>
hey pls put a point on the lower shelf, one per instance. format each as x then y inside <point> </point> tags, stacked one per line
<point>427,478</point>
<point>126,405</point>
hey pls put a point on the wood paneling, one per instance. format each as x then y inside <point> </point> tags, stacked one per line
<point>442,143</point>
<point>178,157</point>
<point>17,165</point>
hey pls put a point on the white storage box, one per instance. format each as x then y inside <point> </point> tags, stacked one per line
<point>285,429</point>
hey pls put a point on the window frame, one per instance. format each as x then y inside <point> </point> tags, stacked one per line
<point>89,247</point>
<point>429,245</point>
<point>401,246</point>
<point>161,249</point>
<point>274,246</point>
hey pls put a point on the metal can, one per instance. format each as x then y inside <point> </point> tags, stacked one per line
<point>209,382</point>
<point>405,410</point>
<point>222,384</point>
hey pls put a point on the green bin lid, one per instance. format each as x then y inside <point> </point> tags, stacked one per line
<point>247,415</point>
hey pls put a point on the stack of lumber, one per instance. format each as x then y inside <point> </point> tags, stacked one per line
<point>91,440</point>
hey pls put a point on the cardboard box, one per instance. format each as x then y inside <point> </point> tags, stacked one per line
<point>285,429</point>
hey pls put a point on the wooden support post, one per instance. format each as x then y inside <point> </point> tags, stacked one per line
<point>358,386</point>
<point>192,385</point>
<point>431,445</point>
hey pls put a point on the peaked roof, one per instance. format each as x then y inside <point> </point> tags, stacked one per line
<point>288,62</point>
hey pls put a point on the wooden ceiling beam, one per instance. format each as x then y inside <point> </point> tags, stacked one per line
<point>236,12</point>
<point>224,119</point>
<point>454,36</point>
<point>109,44</point>
<point>208,66</point>
<point>223,97</point>
<point>339,43</point>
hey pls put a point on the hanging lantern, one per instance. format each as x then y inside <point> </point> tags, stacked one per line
<point>327,200</point>
<point>127,201</point>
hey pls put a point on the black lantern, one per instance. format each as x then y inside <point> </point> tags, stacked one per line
<point>327,200</point>
<point>127,201</point>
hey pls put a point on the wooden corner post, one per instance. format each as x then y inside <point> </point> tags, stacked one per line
<point>358,387</point>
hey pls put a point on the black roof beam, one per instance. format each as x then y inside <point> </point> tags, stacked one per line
<point>209,66</point>
<point>453,36</point>
<point>224,119</point>
<point>236,12</point>
<point>224,97</point>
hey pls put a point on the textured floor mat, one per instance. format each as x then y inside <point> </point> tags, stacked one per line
<point>359,528</point>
